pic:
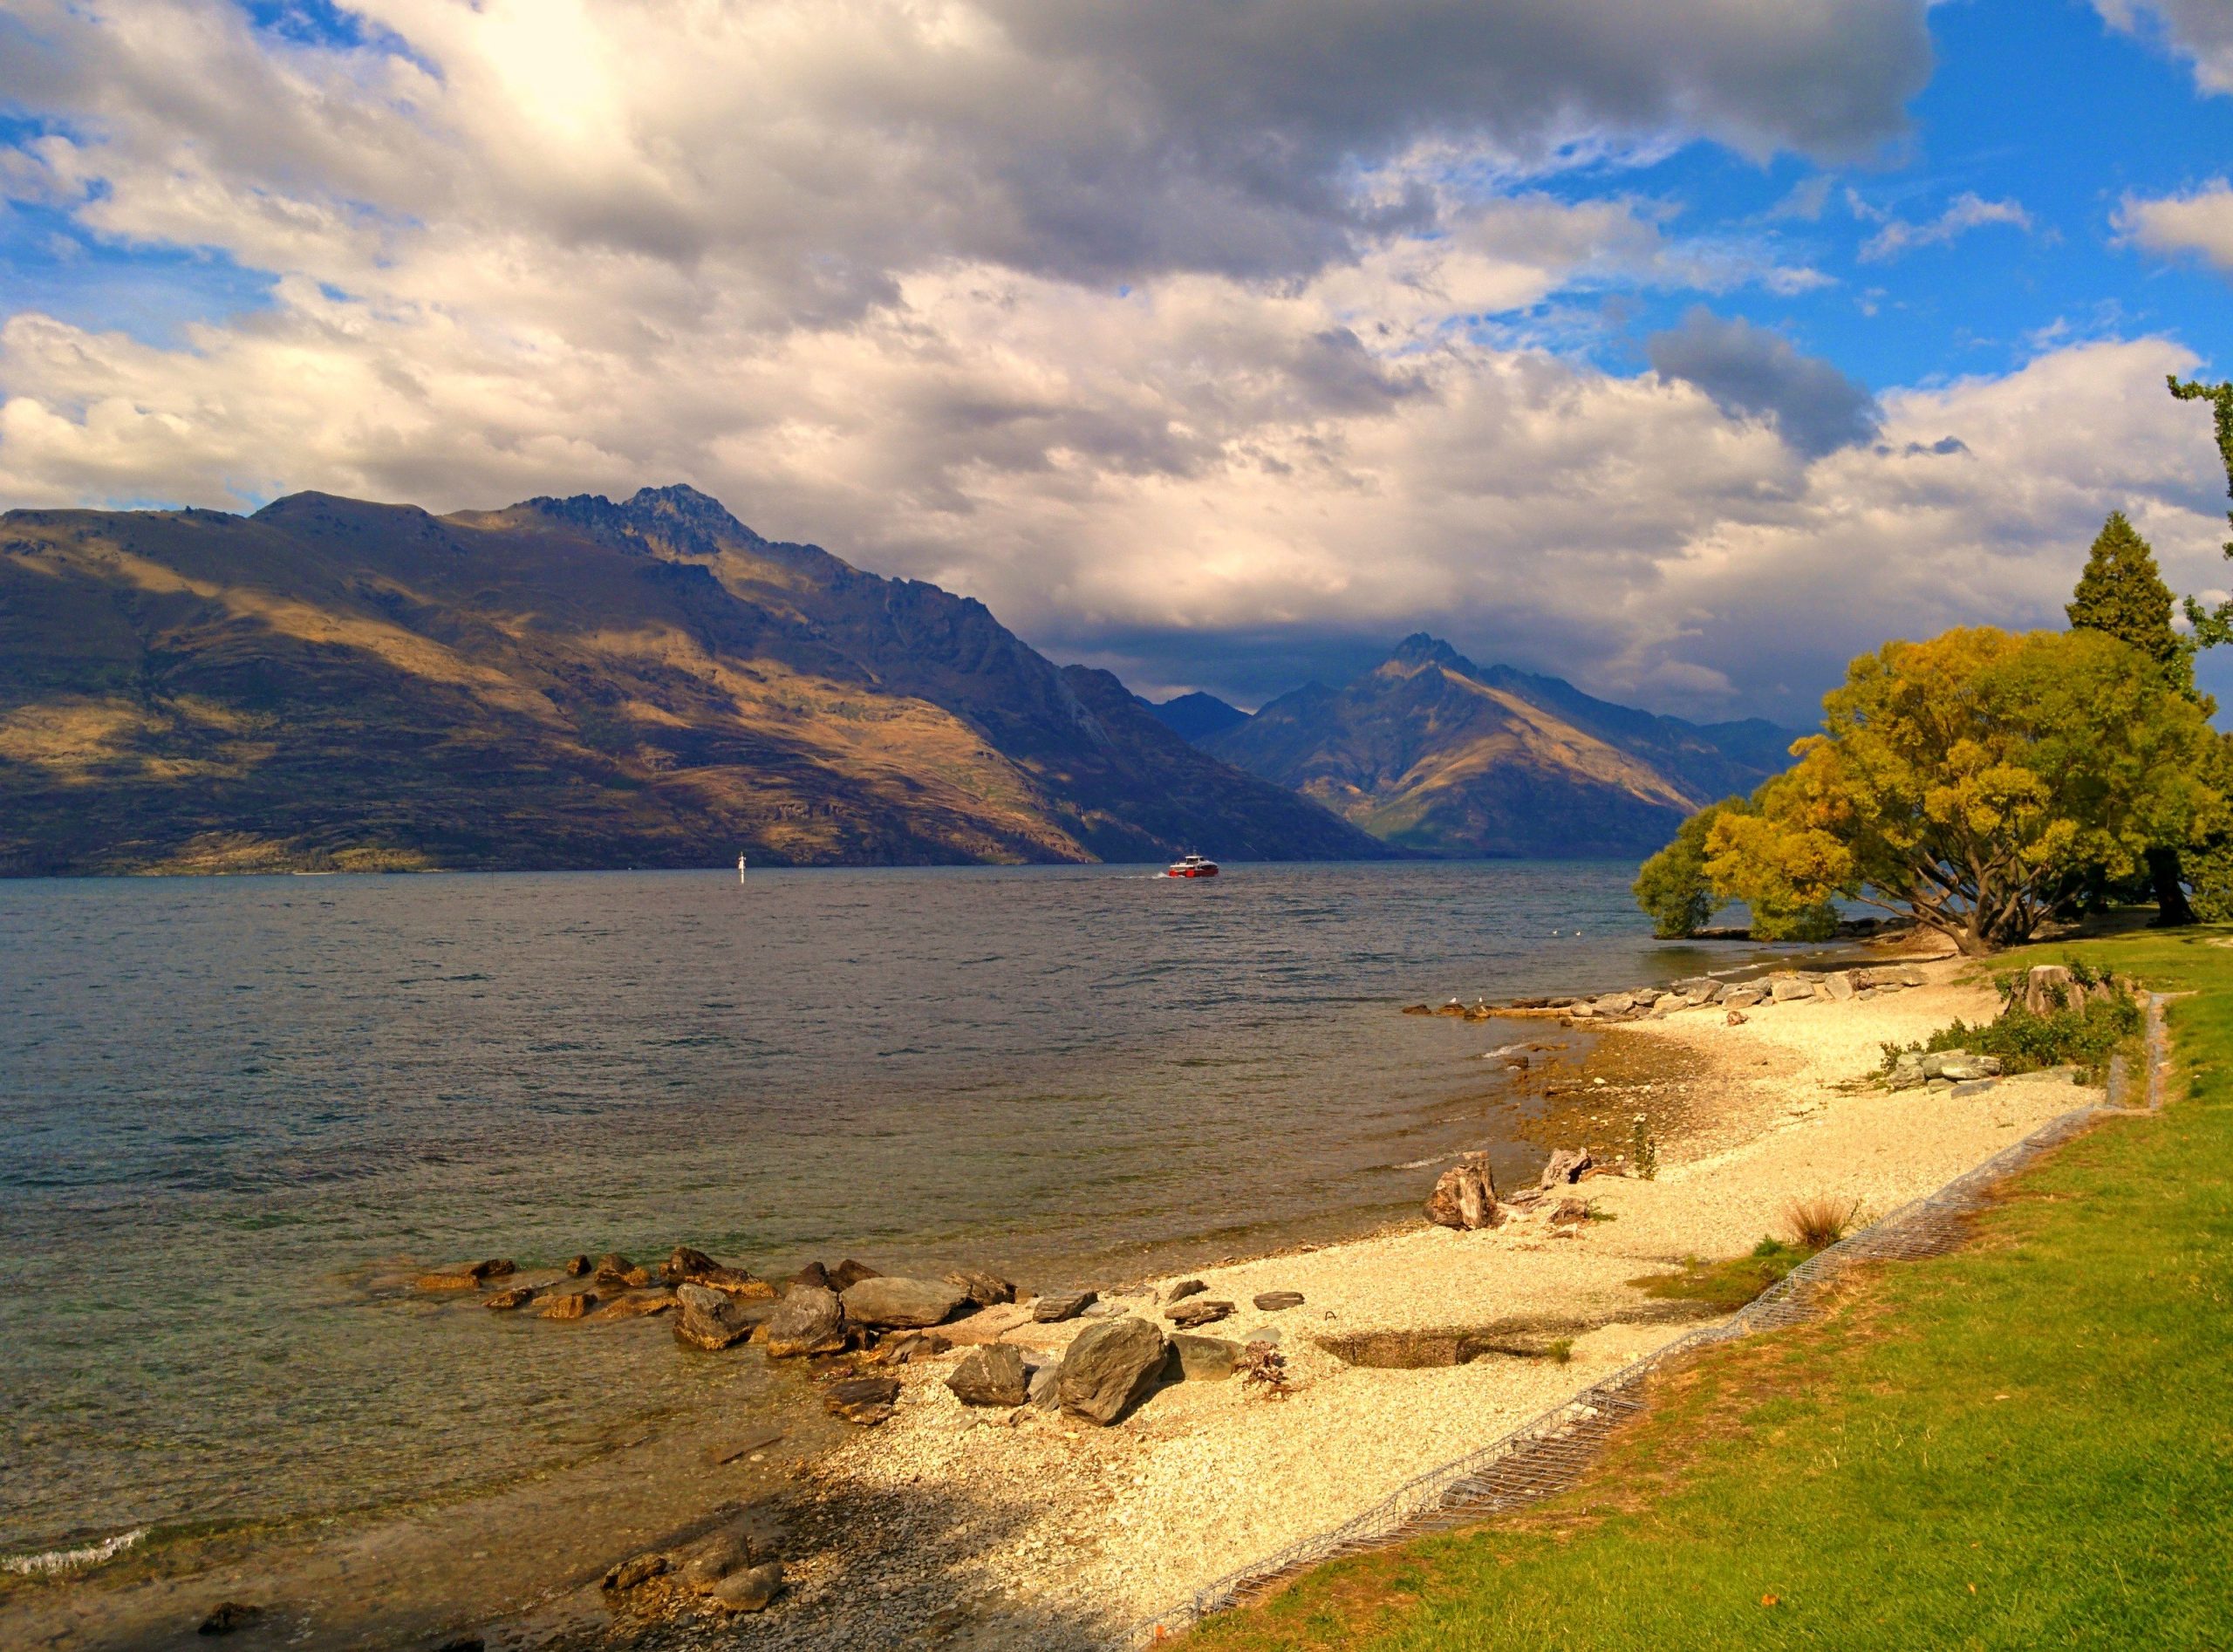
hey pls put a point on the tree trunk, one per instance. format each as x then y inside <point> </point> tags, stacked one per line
<point>2171,908</point>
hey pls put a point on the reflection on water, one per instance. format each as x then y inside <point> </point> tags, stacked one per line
<point>234,1106</point>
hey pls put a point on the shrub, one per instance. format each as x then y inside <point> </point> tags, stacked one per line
<point>1643,1152</point>
<point>1817,1224</point>
<point>2025,1042</point>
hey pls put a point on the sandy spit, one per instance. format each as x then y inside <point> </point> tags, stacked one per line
<point>969,1528</point>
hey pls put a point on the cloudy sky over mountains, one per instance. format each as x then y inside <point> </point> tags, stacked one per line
<point>1683,348</point>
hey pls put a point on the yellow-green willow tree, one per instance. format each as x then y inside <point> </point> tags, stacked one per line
<point>1972,780</point>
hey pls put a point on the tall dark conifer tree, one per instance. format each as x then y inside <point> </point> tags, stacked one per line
<point>2121,593</point>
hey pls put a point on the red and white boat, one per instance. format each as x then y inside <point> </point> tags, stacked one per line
<point>1192,866</point>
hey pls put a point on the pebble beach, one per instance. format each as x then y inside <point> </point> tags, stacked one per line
<point>978,1527</point>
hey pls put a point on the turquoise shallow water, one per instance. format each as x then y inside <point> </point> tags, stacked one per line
<point>232,1111</point>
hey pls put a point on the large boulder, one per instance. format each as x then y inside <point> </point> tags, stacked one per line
<point>1782,988</point>
<point>709,1319</point>
<point>992,1375</point>
<point>849,1273</point>
<point>1465,1196</point>
<point>887,1300</point>
<point>805,1321</point>
<point>1110,1368</point>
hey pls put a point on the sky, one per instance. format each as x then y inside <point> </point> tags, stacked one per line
<point>1682,350</point>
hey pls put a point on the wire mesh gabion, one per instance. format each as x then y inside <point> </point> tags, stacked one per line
<point>1549,1453</point>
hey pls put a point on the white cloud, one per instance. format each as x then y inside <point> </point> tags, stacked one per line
<point>2200,30</point>
<point>1965,212</point>
<point>1155,326</point>
<point>2201,221</point>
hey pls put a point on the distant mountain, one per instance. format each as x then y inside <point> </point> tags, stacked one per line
<point>1196,716</point>
<point>564,682</point>
<point>1436,754</point>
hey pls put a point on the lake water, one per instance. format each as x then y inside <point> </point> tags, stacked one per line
<point>236,1110</point>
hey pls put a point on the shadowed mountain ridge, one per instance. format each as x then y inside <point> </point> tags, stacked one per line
<point>560,683</point>
<point>1438,756</point>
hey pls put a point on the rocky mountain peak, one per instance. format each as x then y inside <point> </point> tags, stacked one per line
<point>676,519</point>
<point>1419,651</point>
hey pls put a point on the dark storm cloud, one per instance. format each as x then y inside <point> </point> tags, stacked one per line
<point>1754,370</point>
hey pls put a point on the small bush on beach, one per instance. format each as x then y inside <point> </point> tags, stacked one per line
<point>2025,1042</point>
<point>1643,1152</point>
<point>1817,1224</point>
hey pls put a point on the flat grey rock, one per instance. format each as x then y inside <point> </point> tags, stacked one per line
<point>1204,1359</point>
<point>1057,1306</point>
<point>888,1300</point>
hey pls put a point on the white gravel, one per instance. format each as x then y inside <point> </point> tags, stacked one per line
<point>1106,1526</point>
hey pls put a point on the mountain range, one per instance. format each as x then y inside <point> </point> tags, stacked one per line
<point>563,683</point>
<point>1433,754</point>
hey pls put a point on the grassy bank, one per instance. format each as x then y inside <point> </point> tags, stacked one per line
<point>2027,1444</point>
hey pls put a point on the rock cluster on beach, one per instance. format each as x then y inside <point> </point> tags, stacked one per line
<point>843,1318</point>
<point>722,1569</point>
<point>1700,992</point>
<point>1697,992</point>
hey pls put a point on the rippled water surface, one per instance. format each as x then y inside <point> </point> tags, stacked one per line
<point>235,1108</point>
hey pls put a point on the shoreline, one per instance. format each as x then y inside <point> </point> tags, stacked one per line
<point>984,1528</point>
<point>988,1528</point>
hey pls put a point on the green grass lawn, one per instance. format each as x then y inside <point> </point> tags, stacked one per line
<point>2026,1443</point>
